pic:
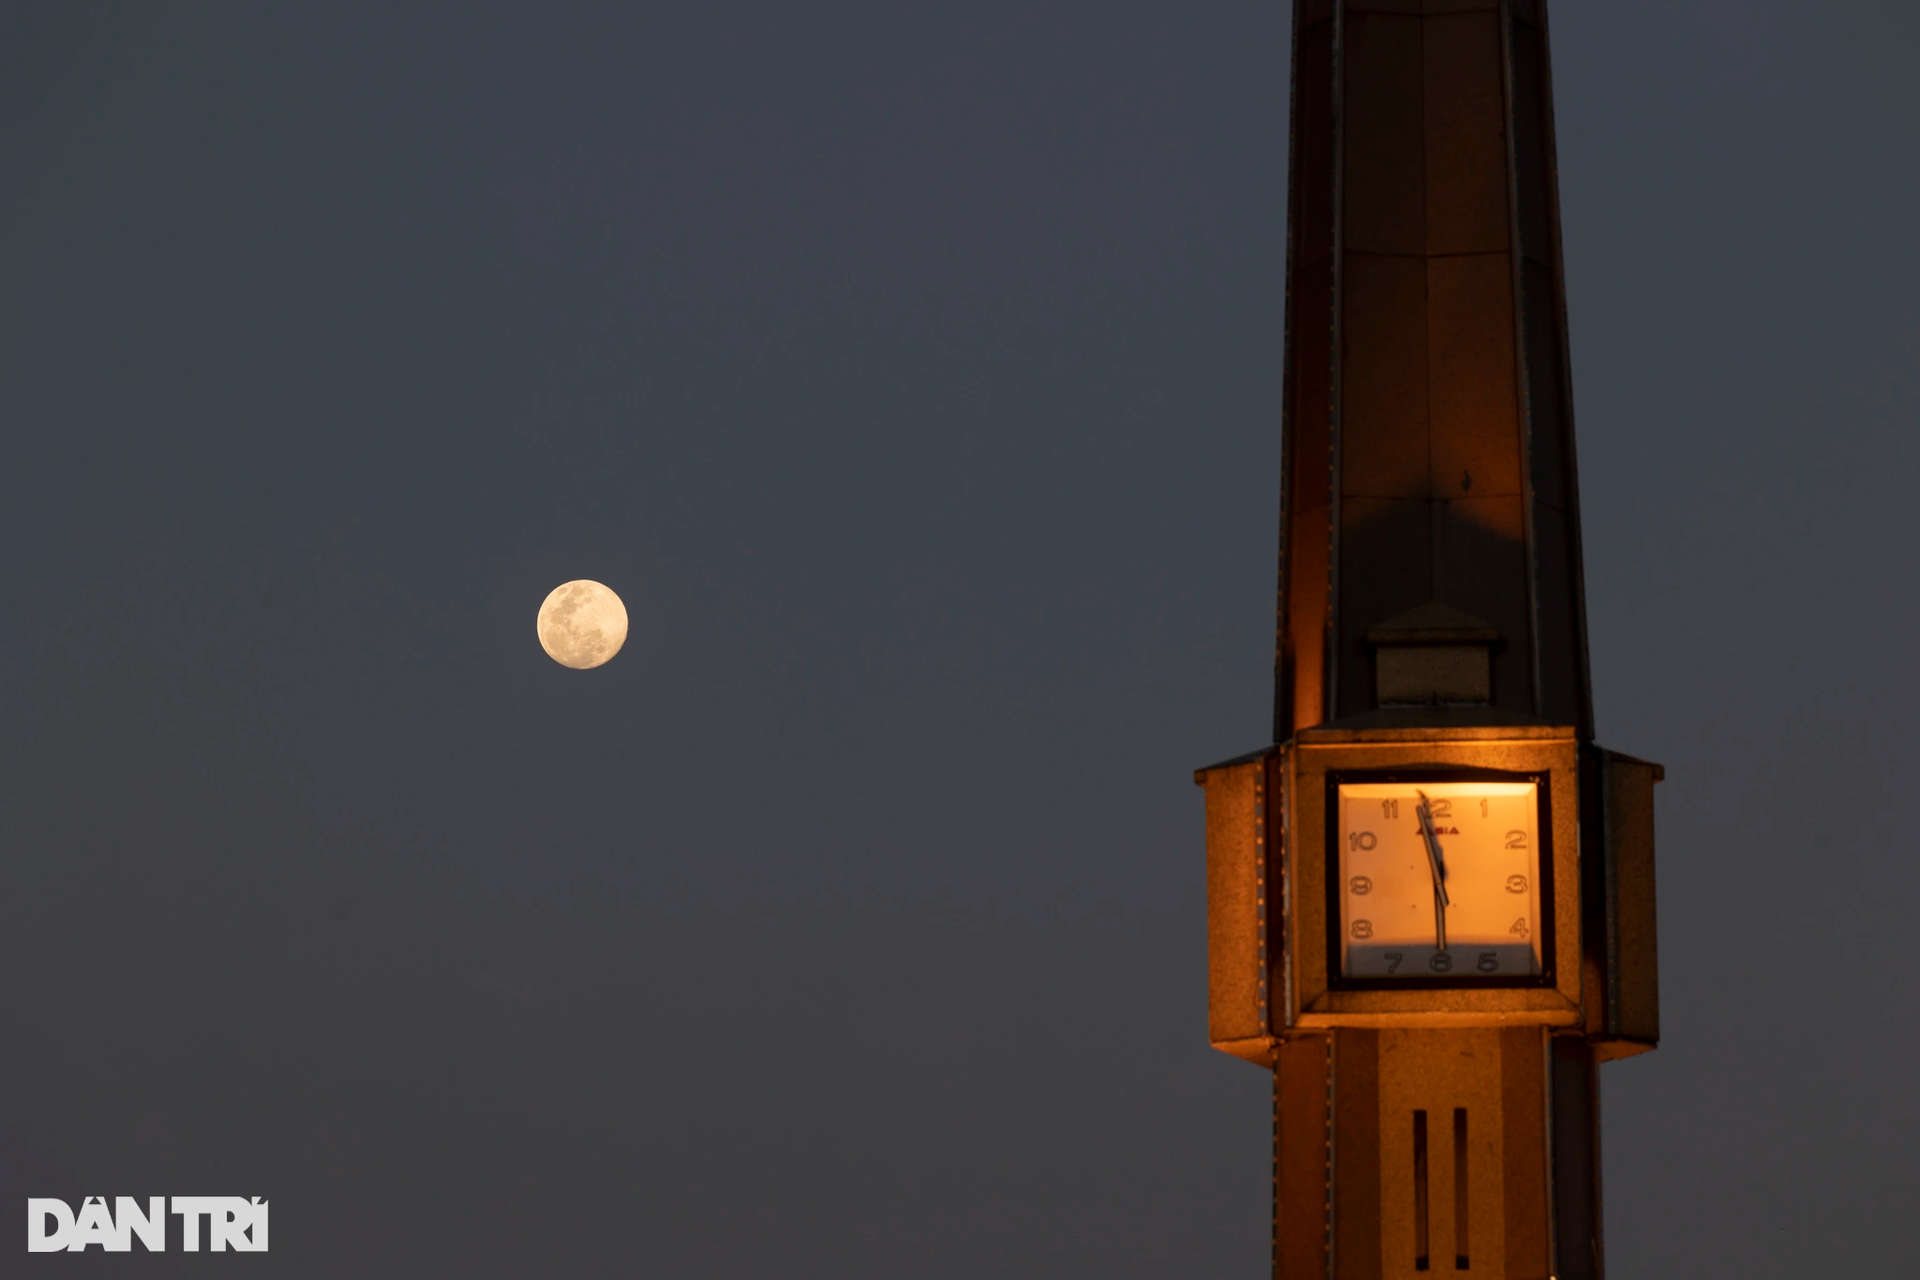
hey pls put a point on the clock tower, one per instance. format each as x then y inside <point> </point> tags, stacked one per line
<point>1431,901</point>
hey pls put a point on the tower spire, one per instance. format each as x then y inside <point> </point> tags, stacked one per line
<point>1428,434</point>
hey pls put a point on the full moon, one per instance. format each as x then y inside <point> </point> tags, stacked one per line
<point>582,624</point>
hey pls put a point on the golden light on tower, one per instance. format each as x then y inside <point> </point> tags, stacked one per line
<point>1430,902</point>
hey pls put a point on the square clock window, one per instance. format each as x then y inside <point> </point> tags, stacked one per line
<point>1440,879</point>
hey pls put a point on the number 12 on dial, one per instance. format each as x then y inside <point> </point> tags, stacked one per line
<point>1439,881</point>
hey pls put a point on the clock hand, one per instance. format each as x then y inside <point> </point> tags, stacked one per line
<point>1437,864</point>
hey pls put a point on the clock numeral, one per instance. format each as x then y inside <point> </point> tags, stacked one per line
<point>1488,962</point>
<point>1389,808</point>
<point>1483,808</point>
<point>1516,839</point>
<point>1441,962</point>
<point>1361,885</point>
<point>1393,960</point>
<point>1440,808</point>
<point>1519,929</point>
<point>1516,884</point>
<point>1363,928</point>
<point>1361,840</point>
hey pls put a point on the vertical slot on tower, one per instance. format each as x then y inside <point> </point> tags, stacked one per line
<point>1459,1188</point>
<point>1419,1191</point>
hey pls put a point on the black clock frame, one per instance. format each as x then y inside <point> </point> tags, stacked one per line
<point>1543,875</point>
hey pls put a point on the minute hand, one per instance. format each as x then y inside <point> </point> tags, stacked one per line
<point>1439,867</point>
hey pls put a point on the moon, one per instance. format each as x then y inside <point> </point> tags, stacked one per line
<point>582,624</point>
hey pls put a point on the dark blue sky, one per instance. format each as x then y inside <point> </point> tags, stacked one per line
<point>913,373</point>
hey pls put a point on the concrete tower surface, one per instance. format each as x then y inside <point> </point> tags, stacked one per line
<point>1430,903</point>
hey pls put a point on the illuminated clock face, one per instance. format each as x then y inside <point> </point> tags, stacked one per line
<point>1439,881</point>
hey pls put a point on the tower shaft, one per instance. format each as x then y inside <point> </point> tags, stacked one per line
<point>1430,574</point>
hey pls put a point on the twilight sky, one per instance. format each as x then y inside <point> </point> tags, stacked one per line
<point>913,372</point>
